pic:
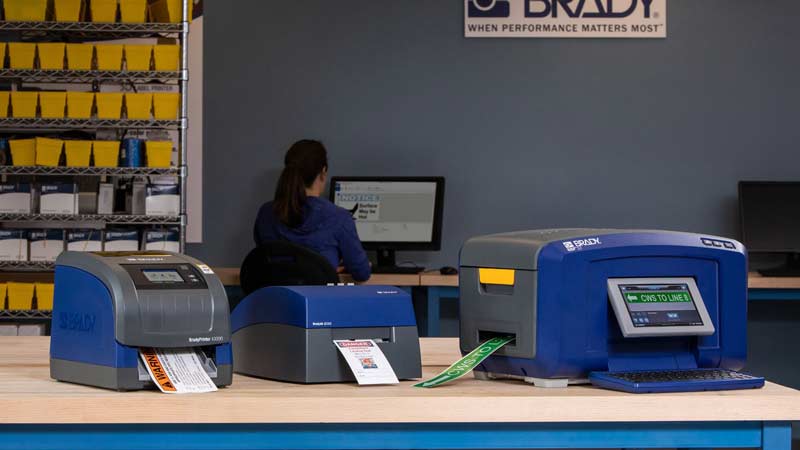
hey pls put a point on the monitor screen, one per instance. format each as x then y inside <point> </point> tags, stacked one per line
<point>770,216</point>
<point>392,210</point>
<point>659,307</point>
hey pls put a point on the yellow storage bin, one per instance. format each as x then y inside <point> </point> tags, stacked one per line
<point>138,57</point>
<point>109,56</point>
<point>21,55</point>
<point>79,105</point>
<point>166,105</point>
<point>3,292</point>
<point>5,97</point>
<point>68,10</point>
<point>79,56</point>
<point>52,104</point>
<point>2,55</point>
<point>51,56</point>
<point>79,153</point>
<point>133,11</point>
<point>109,105</point>
<point>48,151</point>
<point>169,10</point>
<point>139,105</point>
<point>23,104</point>
<point>23,151</point>
<point>167,57</point>
<point>106,153</point>
<point>159,153</point>
<point>44,296</point>
<point>103,10</point>
<point>20,295</point>
<point>25,10</point>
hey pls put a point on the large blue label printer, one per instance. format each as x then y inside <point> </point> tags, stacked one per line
<point>107,305</point>
<point>584,300</point>
<point>286,333</point>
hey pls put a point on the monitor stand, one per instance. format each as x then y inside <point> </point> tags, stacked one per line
<point>387,263</point>
<point>791,268</point>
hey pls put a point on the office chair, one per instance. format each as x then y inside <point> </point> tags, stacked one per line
<point>281,263</point>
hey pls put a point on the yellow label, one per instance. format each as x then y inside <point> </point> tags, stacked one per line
<point>496,276</point>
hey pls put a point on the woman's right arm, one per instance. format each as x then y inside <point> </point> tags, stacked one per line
<point>353,254</point>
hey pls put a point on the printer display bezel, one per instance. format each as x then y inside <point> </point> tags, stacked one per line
<point>624,317</point>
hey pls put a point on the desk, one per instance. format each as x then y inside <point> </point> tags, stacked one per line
<point>39,413</point>
<point>230,277</point>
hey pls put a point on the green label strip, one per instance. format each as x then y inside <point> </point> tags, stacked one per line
<point>465,365</point>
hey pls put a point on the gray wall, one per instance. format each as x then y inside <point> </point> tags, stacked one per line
<point>530,133</point>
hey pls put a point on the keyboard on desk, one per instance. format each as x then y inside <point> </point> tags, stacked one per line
<point>679,380</point>
<point>397,270</point>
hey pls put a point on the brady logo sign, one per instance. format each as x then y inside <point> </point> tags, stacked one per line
<point>578,244</point>
<point>566,18</point>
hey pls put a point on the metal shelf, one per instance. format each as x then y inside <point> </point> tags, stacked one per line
<point>87,76</point>
<point>29,314</point>
<point>105,30</point>
<point>26,266</point>
<point>87,171</point>
<point>85,124</point>
<point>112,219</point>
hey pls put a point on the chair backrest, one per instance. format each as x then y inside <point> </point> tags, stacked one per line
<point>282,263</point>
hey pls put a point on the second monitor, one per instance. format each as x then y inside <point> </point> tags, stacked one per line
<point>393,213</point>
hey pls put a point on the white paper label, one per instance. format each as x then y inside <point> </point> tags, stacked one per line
<point>177,370</point>
<point>367,361</point>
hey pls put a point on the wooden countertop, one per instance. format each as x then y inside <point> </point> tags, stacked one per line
<point>28,395</point>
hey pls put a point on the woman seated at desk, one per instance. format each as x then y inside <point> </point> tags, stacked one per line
<point>299,215</point>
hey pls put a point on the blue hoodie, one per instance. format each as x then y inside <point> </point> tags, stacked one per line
<point>327,229</point>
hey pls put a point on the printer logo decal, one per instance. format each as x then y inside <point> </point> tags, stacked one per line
<point>578,244</point>
<point>77,321</point>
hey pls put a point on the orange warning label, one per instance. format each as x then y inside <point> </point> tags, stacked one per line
<point>157,370</point>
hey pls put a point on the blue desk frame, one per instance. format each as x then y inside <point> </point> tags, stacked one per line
<point>437,293</point>
<point>765,435</point>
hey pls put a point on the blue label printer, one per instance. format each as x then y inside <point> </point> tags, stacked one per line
<point>638,311</point>
<point>287,333</point>
<point>109,304</point>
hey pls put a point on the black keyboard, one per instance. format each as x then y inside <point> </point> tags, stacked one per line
<point>397,270</point>
<point>675,380</point>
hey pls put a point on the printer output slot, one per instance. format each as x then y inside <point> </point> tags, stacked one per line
<point>484,336</point>
<point>207,361</point>
<point>378,334</point>
<point>497,289</point>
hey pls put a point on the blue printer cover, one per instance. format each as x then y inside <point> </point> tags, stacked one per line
<point>325,307</point>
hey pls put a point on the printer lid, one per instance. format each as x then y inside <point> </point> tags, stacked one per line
<point>519,249</point>
<point>326,307</point>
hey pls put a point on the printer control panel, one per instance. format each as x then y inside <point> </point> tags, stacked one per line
<point>166,276</point>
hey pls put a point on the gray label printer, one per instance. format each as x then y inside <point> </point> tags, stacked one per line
<point>107,305</point>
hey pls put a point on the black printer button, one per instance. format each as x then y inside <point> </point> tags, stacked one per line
<point>729,245</point>
<point>717,244</point>
<point>706,241</point>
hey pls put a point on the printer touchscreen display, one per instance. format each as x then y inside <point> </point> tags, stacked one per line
<point>163,276</point>
<point>658,305</point>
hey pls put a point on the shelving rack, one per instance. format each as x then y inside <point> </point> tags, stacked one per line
<point>96,31</point>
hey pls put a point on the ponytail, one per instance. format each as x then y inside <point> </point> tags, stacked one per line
<point>290,196</point>
<point>303,163</point>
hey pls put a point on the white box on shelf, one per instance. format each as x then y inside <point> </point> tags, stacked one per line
<point>162,200</point>
<point>105,199</point>
<point>9,329</point>
<point>163,240</point>
<point>13,245</point>
<point>36,329</point>
<point>46,245</point>
<point>84,240</point>
<point>121,241</point>
<point>15,198</point>
<point>58,198</point>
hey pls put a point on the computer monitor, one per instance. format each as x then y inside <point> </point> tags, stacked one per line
<point>770,220</point>
<point>393,213</point>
